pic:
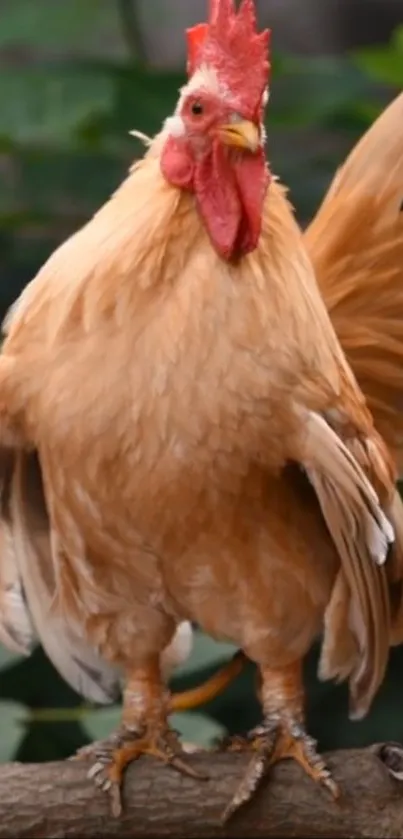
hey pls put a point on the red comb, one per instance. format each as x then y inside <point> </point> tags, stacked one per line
<point>195,38</point>
<point>231,45</point>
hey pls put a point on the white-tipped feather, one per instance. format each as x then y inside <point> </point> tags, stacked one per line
<point>346,473</point>
<point>362,535</point>
<point>139,135</point>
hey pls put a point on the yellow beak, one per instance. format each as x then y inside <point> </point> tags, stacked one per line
<point>243,135</point>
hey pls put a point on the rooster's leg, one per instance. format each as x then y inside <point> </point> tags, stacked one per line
<point>281,735</point>
<point>144,730</point>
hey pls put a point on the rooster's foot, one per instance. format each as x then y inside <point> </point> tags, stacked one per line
<point>275,740</point>
<point>112,756</point>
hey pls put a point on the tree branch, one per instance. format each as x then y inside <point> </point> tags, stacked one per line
<point>54,800</point>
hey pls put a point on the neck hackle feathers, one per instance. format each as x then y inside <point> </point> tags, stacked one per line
<point>231,45</point>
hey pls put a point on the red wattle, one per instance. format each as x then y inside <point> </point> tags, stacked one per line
<point>229,187</point>
<point>252,177</point>
<point>218,200</point>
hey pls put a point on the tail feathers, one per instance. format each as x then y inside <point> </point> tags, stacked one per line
<point>77,662</point>
<point>212,687</point>
<point>374,158</point>
<point>362,535</point>
<point>356,245</point>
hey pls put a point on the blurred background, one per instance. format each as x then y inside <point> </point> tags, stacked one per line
<point>75,77</point>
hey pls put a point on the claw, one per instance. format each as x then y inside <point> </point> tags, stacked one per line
<point>272,742</point>
<point>106,785</point>
<point>112,756</point>
<point>96,768</point>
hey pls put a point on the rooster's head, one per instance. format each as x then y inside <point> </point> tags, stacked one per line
<point>215,140</point>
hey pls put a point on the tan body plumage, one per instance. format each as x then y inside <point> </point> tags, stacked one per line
<point>196,340</point>
<point>355,243</point>
<point>171,398</point>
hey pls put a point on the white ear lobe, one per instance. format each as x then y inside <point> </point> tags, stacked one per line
<point>174,126</point>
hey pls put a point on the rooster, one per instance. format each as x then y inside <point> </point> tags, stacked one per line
<point>356,246</point>
<point>180,430</point>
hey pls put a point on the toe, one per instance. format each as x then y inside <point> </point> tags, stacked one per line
<point>303,750</point>
<point>264,745</point>
<point>272,742</point>
<point>112,757</point>
<point>115,795</point>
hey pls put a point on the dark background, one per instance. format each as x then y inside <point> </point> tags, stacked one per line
<point>75,77</point>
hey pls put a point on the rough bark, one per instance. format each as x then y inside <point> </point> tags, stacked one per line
<point>55,800</point>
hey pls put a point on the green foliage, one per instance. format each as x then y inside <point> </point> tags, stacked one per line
<point>52,104</point>
<point>55,26</point>
<point>42,719</point>
<point>384,63</point>
<point>318,92</point>
<point>70,92</point>
<point>69,99</point>
<point>197,728</point>
<point>11,716</point>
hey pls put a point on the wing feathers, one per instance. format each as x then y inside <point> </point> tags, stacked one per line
<point>77,662</point>
<point>362,534</point>
<point>25,578</point>
<point>16,629</point>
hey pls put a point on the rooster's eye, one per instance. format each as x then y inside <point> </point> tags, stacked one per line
<point>197,108</point>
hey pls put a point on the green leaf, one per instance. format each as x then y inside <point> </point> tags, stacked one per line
<point>98,724</point>
<point>49,104</point>
<point>206,652</point>
<point>308,92</point>
<point>198,728</point>
<point>397,39</point>
<point>383,63</point>
<point>7,657</point>
<point>12,716</point>
<point>194,728</point>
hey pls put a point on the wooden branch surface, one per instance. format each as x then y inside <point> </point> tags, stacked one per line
<point>55,800</point>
